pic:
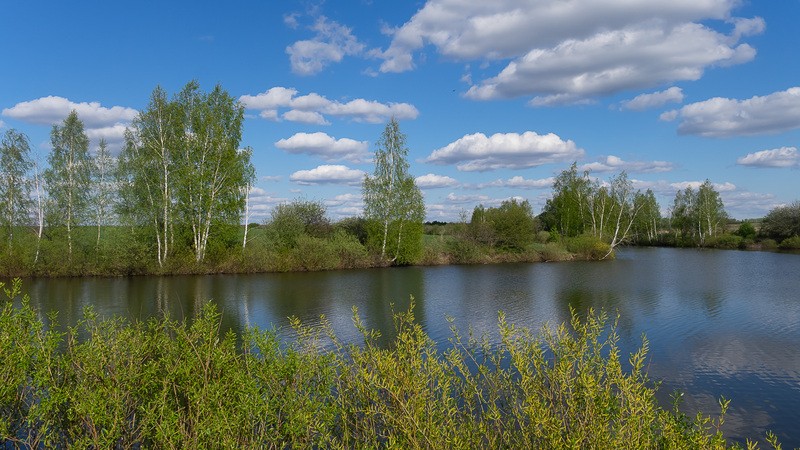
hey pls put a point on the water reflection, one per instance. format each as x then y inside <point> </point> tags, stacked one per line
<point>719,322</point>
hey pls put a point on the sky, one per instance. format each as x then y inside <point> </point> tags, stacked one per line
<point>495,97</point>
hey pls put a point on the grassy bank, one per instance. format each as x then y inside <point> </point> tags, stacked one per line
<point>164,384</point>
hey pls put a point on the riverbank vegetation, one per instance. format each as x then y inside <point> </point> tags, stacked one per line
<point>108,383</point>
<point>176,200</point>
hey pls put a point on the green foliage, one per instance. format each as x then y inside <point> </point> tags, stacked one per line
<point>168,384</point>
<point>587,246</point>
<point>792,243</point>
<point>726,241</point>
<point>513,223</point>
<point>392,199</point>
<point>300,217</point>
<point>698,215</point>
<point>782,222</point>
<point>746,230</point>
<point>15,188</point>
<point>181,167</point>
<point>68,177</point>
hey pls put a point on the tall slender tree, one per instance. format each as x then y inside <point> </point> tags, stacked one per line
<point>68,176</point>
<point>211,172</point>
<point>390,195</point>
<point>103,187</point>
<point>145,171</point>
<point>15,163</point>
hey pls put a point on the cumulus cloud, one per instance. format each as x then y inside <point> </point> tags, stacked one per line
<point>748,204</point>
<point>326,147</point>
<point>477,152</point>
<point>519,182</point>
<point>51,110</point>
<point>667,189</point>
<point>640,56</point>
<point>433,181</point>
<point>719,187</point>
<point>345,205</point>
<point>311,117</point>
<point>615,164</point>
<point>654,100</point>
<point>261,204</point>
<point>779,157</point>
<point>331,43</point>
<point>575,49</point>
<point>99,121</point>
<point>312,108</point>
<point>725,117</point>
<point>328,174</point>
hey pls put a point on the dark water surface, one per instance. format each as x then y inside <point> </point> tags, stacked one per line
<point>719,323</point>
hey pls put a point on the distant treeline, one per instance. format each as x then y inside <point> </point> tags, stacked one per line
<point>174,199</point>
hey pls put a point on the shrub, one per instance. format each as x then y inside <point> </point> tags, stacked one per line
<point>792,243</point>
<point>168,384</point>
<point>588,247</point>
<point>725,241</point>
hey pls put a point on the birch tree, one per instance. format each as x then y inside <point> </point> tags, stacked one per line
<point>212,172</point>
<point>103,187</point>
<point>390,195</point>
<point>67,178</point>
<point>15,163</point>
<point>181,168</point>
<point>144,173</point>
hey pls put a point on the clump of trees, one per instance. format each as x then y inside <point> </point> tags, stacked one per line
<point>181,171</point>
<point>610,213</point>
<point>782,224</point>
<point>177,188</point>
<point>698,216</point>
<point>508,227</point>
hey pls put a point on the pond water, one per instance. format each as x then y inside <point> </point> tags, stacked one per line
<point>719,323</point>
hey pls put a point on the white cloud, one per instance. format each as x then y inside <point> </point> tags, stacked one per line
<point>2,124</point>
<point>461,199</point>
<point>331,43</point>
<point>326,147</point>
<point>114,135</point>
<point>654,100</point>
<point>311,117</point>
<point>345,205</point>
<point>477,152</point>
<point>51,110</point>
<point>312,108</point>
<point>719,187</point>
<point>779,157</point>
<point>640,56</point>
<point>577,48</point>
<point>328,174</point>
<point>433,181</point>
<point>615,164</point>
<point>725,117</point>
<point>748,204</point>
<point>262,203</point>
<point>519,182</point>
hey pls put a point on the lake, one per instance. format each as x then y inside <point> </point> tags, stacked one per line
<point>719,323</point>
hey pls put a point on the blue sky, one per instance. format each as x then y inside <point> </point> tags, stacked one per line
<point>495,97</point>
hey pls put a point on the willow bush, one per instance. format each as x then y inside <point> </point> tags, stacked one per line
<point>169,384</point>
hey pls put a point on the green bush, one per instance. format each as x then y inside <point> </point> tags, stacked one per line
<point>725,241</point>
<point>168,384</point>
<point>587,246</point>
<point>792,243</point>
